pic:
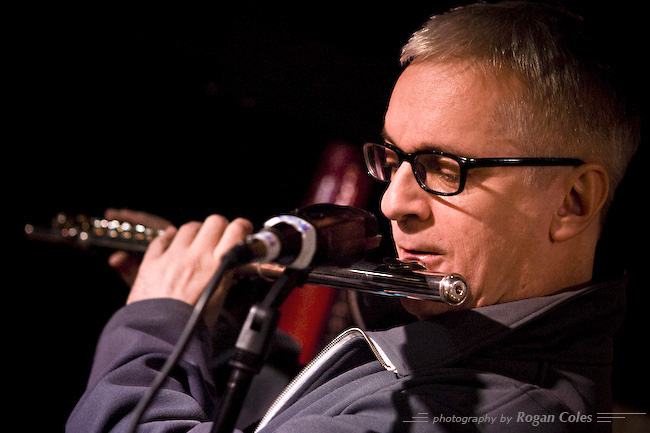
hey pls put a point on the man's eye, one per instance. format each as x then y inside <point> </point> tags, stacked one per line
<point>391,164</point>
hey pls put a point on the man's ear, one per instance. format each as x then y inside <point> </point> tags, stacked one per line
<point>585,195</point>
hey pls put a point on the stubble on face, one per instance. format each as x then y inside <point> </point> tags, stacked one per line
<point>492,232</point>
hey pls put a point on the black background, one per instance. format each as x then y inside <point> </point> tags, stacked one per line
<point>184,112</point>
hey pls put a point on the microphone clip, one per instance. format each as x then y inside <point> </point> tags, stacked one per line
<point>308,239</point>
<point>318,234</point>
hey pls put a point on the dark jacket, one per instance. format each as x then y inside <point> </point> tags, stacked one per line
<point>541,363</point>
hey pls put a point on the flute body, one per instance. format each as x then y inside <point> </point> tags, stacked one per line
<point>390,278</point>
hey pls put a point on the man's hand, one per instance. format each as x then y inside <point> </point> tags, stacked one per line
<point>127,264</point>
<point>179,263</point>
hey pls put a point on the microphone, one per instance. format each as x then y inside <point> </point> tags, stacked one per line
<point>322,233</point>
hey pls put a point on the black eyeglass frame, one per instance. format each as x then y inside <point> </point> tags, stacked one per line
<point>465,164</point>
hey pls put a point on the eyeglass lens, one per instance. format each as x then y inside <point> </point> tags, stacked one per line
<point>436,172</point>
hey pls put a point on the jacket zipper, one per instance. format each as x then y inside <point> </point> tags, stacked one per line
<point>333,347</point>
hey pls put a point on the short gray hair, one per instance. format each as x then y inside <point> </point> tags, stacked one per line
<point>565,100</point>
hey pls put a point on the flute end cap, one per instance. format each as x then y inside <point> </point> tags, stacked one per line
<point>453,289</point>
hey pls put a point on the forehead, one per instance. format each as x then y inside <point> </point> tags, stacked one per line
<point>449,107</point>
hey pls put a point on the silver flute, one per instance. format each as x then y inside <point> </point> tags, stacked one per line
<point>390,278</point>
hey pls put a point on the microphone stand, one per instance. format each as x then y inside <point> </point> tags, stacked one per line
<point>252,347</point>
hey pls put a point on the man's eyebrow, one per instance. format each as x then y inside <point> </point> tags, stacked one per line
<point>385,136</point>
<point>425,146</point>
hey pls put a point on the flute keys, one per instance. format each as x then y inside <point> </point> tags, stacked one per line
<point>123,230</point>
<point>71,227</point>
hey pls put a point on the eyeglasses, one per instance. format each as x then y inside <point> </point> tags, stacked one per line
<point>442,173</point>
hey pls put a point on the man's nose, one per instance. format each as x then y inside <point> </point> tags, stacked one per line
<point>404,197</point>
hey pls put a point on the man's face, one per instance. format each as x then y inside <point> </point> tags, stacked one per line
<point>496,231</point>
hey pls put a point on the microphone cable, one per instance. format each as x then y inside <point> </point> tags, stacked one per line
<point>265,246</point>
<point>318,233</point>
<point>227,262</point>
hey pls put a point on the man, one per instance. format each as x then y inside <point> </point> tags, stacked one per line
<point>502,146</point>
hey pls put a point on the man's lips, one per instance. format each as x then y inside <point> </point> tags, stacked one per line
<point>417,253</point>
<point>418,249</point>
<point>429,258</point>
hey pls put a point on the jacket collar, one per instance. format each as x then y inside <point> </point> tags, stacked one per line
<point>453,336</point>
